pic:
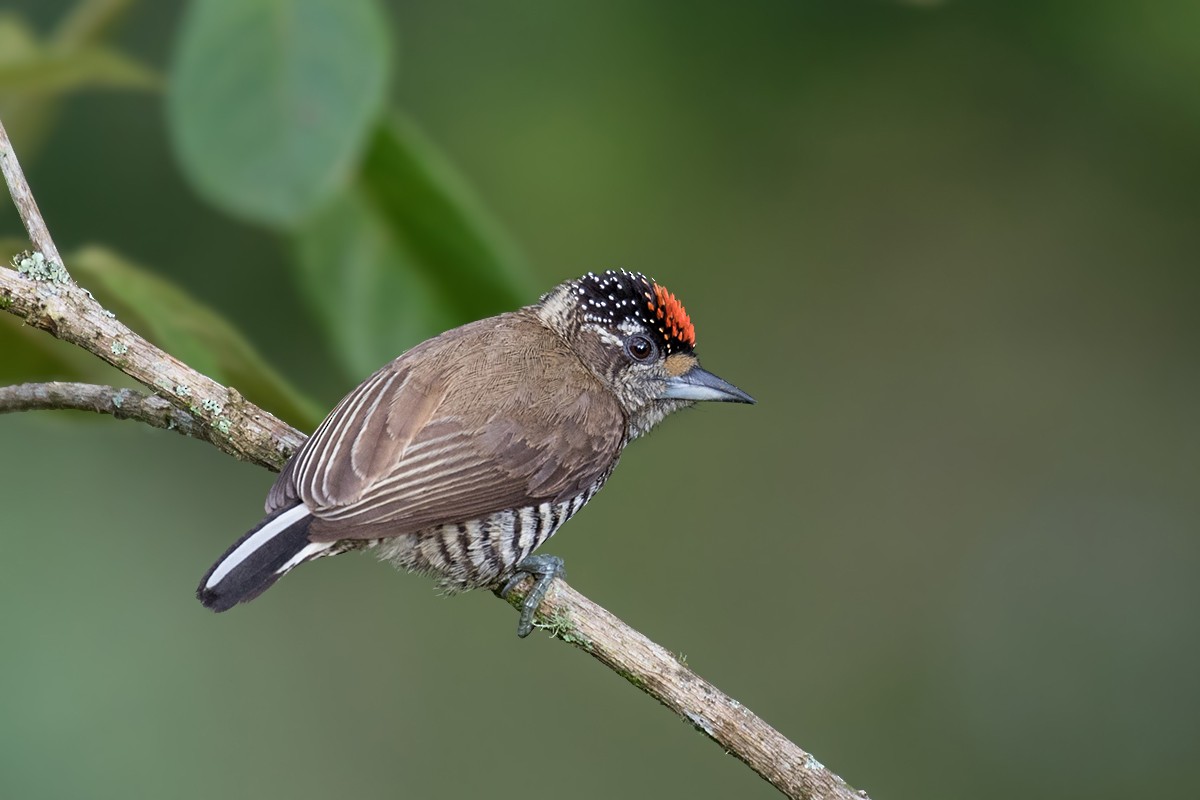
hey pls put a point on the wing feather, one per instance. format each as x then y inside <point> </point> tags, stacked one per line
<point>441,435</point>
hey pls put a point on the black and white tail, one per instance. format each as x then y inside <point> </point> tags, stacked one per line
<point>261,557</point>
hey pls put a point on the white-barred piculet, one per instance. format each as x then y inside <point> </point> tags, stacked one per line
<point>462,456</point>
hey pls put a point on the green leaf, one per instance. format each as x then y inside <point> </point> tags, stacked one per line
<point>17,40</point>
<point>33,355</point>
<point>269,102</point>
<point>188,330</point>
<point>456,245</point>
<point>404,254</point>
<point>92,67</point>
<point>29,111</point>
<point>364,287</point>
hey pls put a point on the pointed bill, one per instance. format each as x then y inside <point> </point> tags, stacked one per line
<point>700,384</point>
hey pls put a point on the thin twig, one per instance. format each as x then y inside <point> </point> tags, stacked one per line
<point>18,187</point>
<point>120,403</point>
<point>243,430</point>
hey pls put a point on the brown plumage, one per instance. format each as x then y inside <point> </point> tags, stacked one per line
<point>502,409</point>
<point>463,455</point>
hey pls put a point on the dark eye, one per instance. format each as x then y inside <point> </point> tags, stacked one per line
<point>639,347</point>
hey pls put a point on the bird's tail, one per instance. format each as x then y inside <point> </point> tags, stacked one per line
<point>261,557</point>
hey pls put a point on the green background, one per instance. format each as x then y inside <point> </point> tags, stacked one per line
<point>953,551</point>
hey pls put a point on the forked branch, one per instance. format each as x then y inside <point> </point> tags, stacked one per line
<point>41,293</point>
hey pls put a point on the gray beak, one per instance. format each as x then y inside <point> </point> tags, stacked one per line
<point>700,384</point>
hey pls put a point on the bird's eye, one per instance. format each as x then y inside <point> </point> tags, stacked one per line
<point>639,347</point>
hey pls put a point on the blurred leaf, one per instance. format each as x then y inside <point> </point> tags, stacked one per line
<point>9,247</point>
<point>32,355</point>
<point>88,21</point>
<point>455,243</point>
<point>28,115</point>
<point>92,67</point>
<point>404,254</point>
<point>270,101</point>
<point>17,40</point>
<point>188,330</point>
<point>364,287</point>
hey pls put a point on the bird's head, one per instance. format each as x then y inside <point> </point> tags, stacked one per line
<point>638,340</point>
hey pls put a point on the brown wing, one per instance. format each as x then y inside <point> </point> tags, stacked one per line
<point>475,421</point>
<point>376,420</point>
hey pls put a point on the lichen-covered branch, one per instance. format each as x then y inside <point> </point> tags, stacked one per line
<point>120,403</point>
<point>567,615</point>
<point>40,291</point>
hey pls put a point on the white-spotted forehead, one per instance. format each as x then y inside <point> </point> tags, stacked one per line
<point>629,302</point>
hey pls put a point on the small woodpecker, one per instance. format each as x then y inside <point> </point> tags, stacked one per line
<point>462,456</point>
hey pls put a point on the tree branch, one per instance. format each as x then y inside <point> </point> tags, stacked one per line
<point>45,297</point>
<point>568,615</point>
<point>22,197</point>
<point>48,299</point>
<point>121,403</point>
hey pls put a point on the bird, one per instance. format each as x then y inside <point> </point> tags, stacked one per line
<point>463,455</point>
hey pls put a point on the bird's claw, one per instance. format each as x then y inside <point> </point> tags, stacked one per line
<point>544,569</point>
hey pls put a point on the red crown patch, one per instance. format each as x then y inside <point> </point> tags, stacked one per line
<point>616,298</point>
<point>672,318</point>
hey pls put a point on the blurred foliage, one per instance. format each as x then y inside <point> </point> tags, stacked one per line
<point>28,67</point>
<point>30,355</point>
<point>270,102</point>
<point>455,243</point>
<point>271,106</point>
<point>407,249</point>
<point>349,257</point>
<point>36,73</point>
<point>188,330</point>
<point>950,246</point>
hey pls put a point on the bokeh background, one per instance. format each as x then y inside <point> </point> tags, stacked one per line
<point>951,248</point>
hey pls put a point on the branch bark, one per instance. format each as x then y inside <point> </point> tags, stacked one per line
<point>570,616</point>
<point>60,307</point>
<point>22,197</point>
<point>201,407</point>
<point>120,403</point>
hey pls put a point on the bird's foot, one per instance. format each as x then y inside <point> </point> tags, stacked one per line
<point>544,569</point>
